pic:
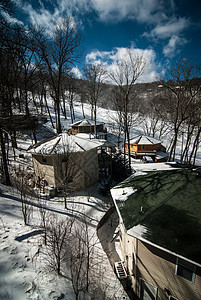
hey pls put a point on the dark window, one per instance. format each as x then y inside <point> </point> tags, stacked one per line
<point>44,159</point>
<point>185,269</point>
<point>70,179</point>
<point>142,147</point>
<point>65,159</point>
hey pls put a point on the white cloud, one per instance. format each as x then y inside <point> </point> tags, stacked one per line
<point>10,19</point>
<point>110,60</point>
<point>173,46</point>
<point>96,56</point>
<point>118,10</point>
<point>76,72</point>
<point>43,17</point>
<point>173,27</point>
<point>150,11</point>
<point>173,30</point>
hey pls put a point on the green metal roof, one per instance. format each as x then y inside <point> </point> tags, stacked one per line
<point>168,206</point>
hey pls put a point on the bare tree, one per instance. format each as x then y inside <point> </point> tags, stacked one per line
<point>67,172</point>
<point>83,94</point>
<point>80,259</point>
<point>59,236</point>
<point>95,75</point>
<point>22,185</point>
<point>69,91</point>
<point>44,215</point>
<point>154,117</point>
<point>5,172</point>
<point>58,54</point>
<point>127,71</point>
<point>182,98</point>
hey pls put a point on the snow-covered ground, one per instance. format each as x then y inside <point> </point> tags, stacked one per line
<point>23,269</point>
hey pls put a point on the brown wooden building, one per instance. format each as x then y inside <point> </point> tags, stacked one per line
<point>66,160</point>
<point>87,126</point>
<point>142,146</point>
<point>160,233</point>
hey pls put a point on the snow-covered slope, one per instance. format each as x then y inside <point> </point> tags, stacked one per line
<point>23,270</point>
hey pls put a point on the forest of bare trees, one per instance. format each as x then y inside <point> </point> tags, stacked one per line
<point>35,65</point>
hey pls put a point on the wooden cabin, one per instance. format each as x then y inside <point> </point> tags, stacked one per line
<point>66,160</point>
<point>87,126</point>
<point>143,146</point>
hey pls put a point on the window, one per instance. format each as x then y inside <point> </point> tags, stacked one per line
<point>147,291</point>
<point>65,159</point>
<point>142,147</point>
<point>185,269</point>
<point>44,159</point>
<point>70,179</point>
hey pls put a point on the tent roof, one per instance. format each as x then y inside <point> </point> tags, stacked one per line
<point>85,122</point>
<point>144,140</point>
<point>64,143</point>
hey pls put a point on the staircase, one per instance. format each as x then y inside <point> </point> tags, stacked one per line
<point>121,273</point>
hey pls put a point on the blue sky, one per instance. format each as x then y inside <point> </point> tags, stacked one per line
<point>160,30</point>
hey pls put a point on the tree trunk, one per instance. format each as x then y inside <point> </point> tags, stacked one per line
<point>57,112</point>
<point>5,164</point>
<point>174,144</point>
<point>48,111</point>
<point>83,110</point>
<point>195,147</point>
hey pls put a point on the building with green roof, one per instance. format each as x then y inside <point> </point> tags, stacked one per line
<point>160,232</point>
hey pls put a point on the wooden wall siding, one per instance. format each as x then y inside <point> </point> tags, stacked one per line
<point>145,148</point>
<point>72,169</point>
<point>44,170</point>
<point>157,267</point>
<point>83,169</point>
<point>86,129</point>
<point>90,167</point>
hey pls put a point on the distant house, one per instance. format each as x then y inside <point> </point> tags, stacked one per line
<point>143,146</point>
<point>160,233</point>
<point>88,126</point>
<point>66,159</point>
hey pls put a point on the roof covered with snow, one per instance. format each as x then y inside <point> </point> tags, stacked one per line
<point>163,207</point>
<point>144,140</point>
<point>64,143</point>
<point>85,122</point>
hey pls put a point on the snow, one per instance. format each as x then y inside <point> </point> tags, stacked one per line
<point>144,140</point>
<point>122,194</point>
<point>24,274</point>
<point>145,167</point>
<point>65,143</point>
<point>137,231</point>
